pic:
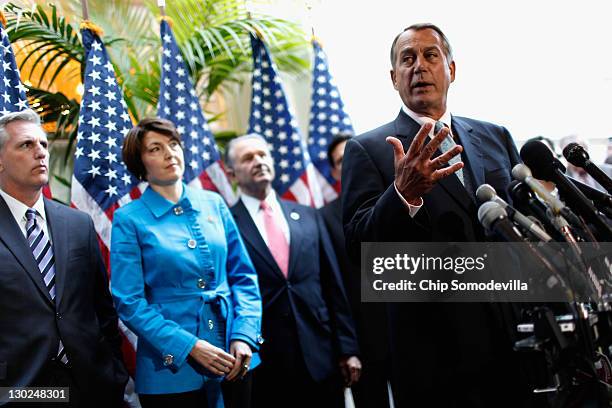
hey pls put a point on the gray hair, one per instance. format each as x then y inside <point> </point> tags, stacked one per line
<point>229,160</point>
<point>27,115</point>
<point>446,47</point>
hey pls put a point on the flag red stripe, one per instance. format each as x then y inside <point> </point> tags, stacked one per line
<point>207,183</point>
<point>47,192</point>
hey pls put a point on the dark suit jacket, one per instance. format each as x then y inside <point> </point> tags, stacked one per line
<point>311,298</point>
<point>83,315</point>
<point>449,354</point>
<point>370,318</point>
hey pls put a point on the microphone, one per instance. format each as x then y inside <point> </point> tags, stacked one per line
<point>523,173</point>
<point>602,201</point>
<point>523,196</point>
<point>546,167</point>
<point>578,156</point>
<point>486,193</point>
<point>494,218</point>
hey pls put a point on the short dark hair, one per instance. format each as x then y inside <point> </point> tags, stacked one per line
<point>339,138</point>
<point>131,151</point>
<point>448,50</point>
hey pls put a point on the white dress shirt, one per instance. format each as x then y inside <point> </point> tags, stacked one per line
<point>252,205</point>
<point>421,120</point>
<point>18,209</point>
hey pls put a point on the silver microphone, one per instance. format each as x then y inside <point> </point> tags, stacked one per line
<point>486,193</point>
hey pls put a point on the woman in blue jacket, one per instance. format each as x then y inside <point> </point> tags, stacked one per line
<point>181,279</point>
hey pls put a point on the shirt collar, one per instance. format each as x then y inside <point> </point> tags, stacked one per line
<point>421,120</point>
<point>253,204</point>
<point>160,206</point>
<point>18,209</point>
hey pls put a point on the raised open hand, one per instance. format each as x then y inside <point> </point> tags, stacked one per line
<point>415,171</point>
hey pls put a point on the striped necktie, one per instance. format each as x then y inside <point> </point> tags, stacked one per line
<point>43,254</point>
<point>447,144</point>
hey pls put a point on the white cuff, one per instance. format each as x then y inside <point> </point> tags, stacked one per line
<point>412,209</point>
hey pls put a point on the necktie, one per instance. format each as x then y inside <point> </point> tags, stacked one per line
<point>447,144</point>
<point>277,243</point>
<point>43,253</point>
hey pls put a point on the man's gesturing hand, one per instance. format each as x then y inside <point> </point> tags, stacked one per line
<point>415,171</point>
<point>213,358</point>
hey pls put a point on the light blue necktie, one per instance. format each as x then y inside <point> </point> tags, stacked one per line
<point>447,144</point>
<point>43,253</point>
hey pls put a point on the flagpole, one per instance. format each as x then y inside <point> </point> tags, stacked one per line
<point>310,20</point>
<point>85,9</point>
<point>162,7</point>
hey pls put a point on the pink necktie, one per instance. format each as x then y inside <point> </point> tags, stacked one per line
<point>277,243</point>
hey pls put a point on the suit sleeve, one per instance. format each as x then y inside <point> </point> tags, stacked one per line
<point>513,153</point>
<point>128,287</point>
<point>371,209</point>
<point>243,284</point>
<point>333,290</point>
<point>103,301</point>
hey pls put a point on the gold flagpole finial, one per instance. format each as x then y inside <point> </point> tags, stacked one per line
<point>94,28</point>
<point>3,19</point>
<point>165,18</point>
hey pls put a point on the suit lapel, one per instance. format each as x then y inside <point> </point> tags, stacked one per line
<point>13,239</point>
<point>294,219</point>
<point>471,150</point>
<point>407,129</point>
<point>58,229</point>
<point>251,234</point>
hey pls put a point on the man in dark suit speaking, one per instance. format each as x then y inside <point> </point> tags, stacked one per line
<point>414,179</point>
<point>58,326</point>
<point>308,332</point>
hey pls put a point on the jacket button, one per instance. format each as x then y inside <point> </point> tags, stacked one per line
<point>168,359</point>
<point>260,339</point>
<point>288,285</point>
<point>178,210</point>
<point>210,324</point>
<point>201,283</point>
<point>191,243</point>
<point>58,316</point>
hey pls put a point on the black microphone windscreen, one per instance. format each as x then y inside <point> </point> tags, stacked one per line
<point>538,157</point>
<point>576,154</point>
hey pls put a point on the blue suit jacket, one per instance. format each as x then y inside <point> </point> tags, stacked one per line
<point>312,294</point>
<point>168,261</point>
<point>454,347</point>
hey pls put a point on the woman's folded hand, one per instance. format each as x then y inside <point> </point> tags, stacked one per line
<point>212,358</point>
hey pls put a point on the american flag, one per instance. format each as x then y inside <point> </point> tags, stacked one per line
<point>179,103</point>
<point>273,118</point>
<point>327,119</point>
<point>12,91</point>
<point>101,183</point>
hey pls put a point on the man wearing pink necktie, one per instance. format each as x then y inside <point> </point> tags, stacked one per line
<point>309,337</point>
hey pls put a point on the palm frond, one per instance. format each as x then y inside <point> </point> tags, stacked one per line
<point>55,107</point>
<point>214,38</point>
<point>47,37</point>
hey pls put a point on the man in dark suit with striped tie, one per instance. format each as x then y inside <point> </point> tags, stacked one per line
<point>58,326</point>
